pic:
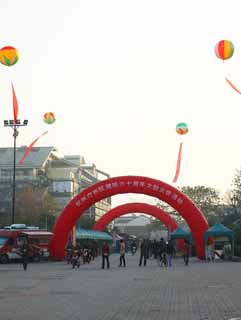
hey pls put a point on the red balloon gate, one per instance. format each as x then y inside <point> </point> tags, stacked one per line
<point>149,209</point>
<point>128,184</point>
<point>132,208</point>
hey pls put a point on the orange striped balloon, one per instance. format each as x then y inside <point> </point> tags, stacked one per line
<point>9,56</point>
<point>224,49</point>
<point>182,128</point>
<point>49,117</point>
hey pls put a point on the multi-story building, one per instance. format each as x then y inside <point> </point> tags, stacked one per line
<point>46,169</point>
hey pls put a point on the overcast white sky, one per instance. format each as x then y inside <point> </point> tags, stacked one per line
<point>119,76</point>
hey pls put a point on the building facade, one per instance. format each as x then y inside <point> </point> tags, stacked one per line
<point>133,225</point>
<point>139,225</point>
<point>46,169</point>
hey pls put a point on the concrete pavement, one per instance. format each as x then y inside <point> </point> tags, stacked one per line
<point>54,291</point>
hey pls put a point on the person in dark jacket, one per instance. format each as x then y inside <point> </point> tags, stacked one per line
<point>186,252</point>
<point>162,249</point>
<point>105,255</point>
<point>170,252</point>
<point>143,252</point>
<point>133,247</point>
<point>155,249</point>
<point>24,250</point>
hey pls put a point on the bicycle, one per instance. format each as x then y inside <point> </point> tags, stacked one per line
<point>162,261</point>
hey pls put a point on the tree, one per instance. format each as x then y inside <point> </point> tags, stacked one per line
<point>86,221</point>
<point>156,225</point>
<point>34,207</point>
<point>165,207</point>
<point>48,212</point>
<point>233,220</point>
<point>233,201</point>
<point>235,194</point>
<point>206,199</point>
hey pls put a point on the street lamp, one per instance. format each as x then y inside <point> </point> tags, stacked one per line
<point>14,125</point>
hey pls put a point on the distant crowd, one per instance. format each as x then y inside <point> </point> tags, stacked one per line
<point>163,251</point>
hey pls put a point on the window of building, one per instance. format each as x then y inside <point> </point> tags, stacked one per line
<point>24,172</point>
<point>6,172</point>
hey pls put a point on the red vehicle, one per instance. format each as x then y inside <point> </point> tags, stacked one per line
<point>12,239</point>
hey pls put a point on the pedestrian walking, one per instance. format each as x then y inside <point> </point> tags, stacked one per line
<point>133,247</point>
<point>155,249</point>
<point>143,252</point>
<point>170,252</point>
<point>24,251</point>
<point>162,250</point>
<point>210,252</point>
<point>105,255</point>
<point>186,252</point>
<point>75,260</point>
<point>122,253</point>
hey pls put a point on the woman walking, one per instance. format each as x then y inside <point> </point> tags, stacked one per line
<point>186,252</point>
<point>122,253</point>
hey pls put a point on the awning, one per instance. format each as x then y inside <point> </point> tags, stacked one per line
<point>180,233</point>
<point>92,235</point>
<point>37,233</point>
<point>219,230</point>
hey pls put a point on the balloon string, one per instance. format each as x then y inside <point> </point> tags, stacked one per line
<point>178,163</point>
<point>233,86</point>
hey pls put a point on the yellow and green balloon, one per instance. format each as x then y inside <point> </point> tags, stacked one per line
<point>49,117</point>
<point>181,128</point>
<point>9,56</point>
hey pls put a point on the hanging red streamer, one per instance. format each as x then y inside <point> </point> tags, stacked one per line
<point>178,163</point>
<point>15,105</point>
<point>232,86</point>
<point>29,148</point>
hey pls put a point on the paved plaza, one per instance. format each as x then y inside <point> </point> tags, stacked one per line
<point>54,291</point>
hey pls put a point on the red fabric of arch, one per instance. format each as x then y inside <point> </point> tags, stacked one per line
<point>127,184</point>
<point>138,207</point>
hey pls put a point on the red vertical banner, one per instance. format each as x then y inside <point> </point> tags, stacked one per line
<point>29,148</point>
<point>233,86</point>
<point>15,105</point>
<point>178,163</point>
<point>73,236</point>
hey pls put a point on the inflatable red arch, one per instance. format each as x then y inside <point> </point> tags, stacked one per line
<point>132,208</point>
<point>140,208</point>
<point>127,184</point>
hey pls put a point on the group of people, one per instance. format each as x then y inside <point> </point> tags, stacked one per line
<point>106,253</point>
<point>162,251</point>
<point>77,255</point>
